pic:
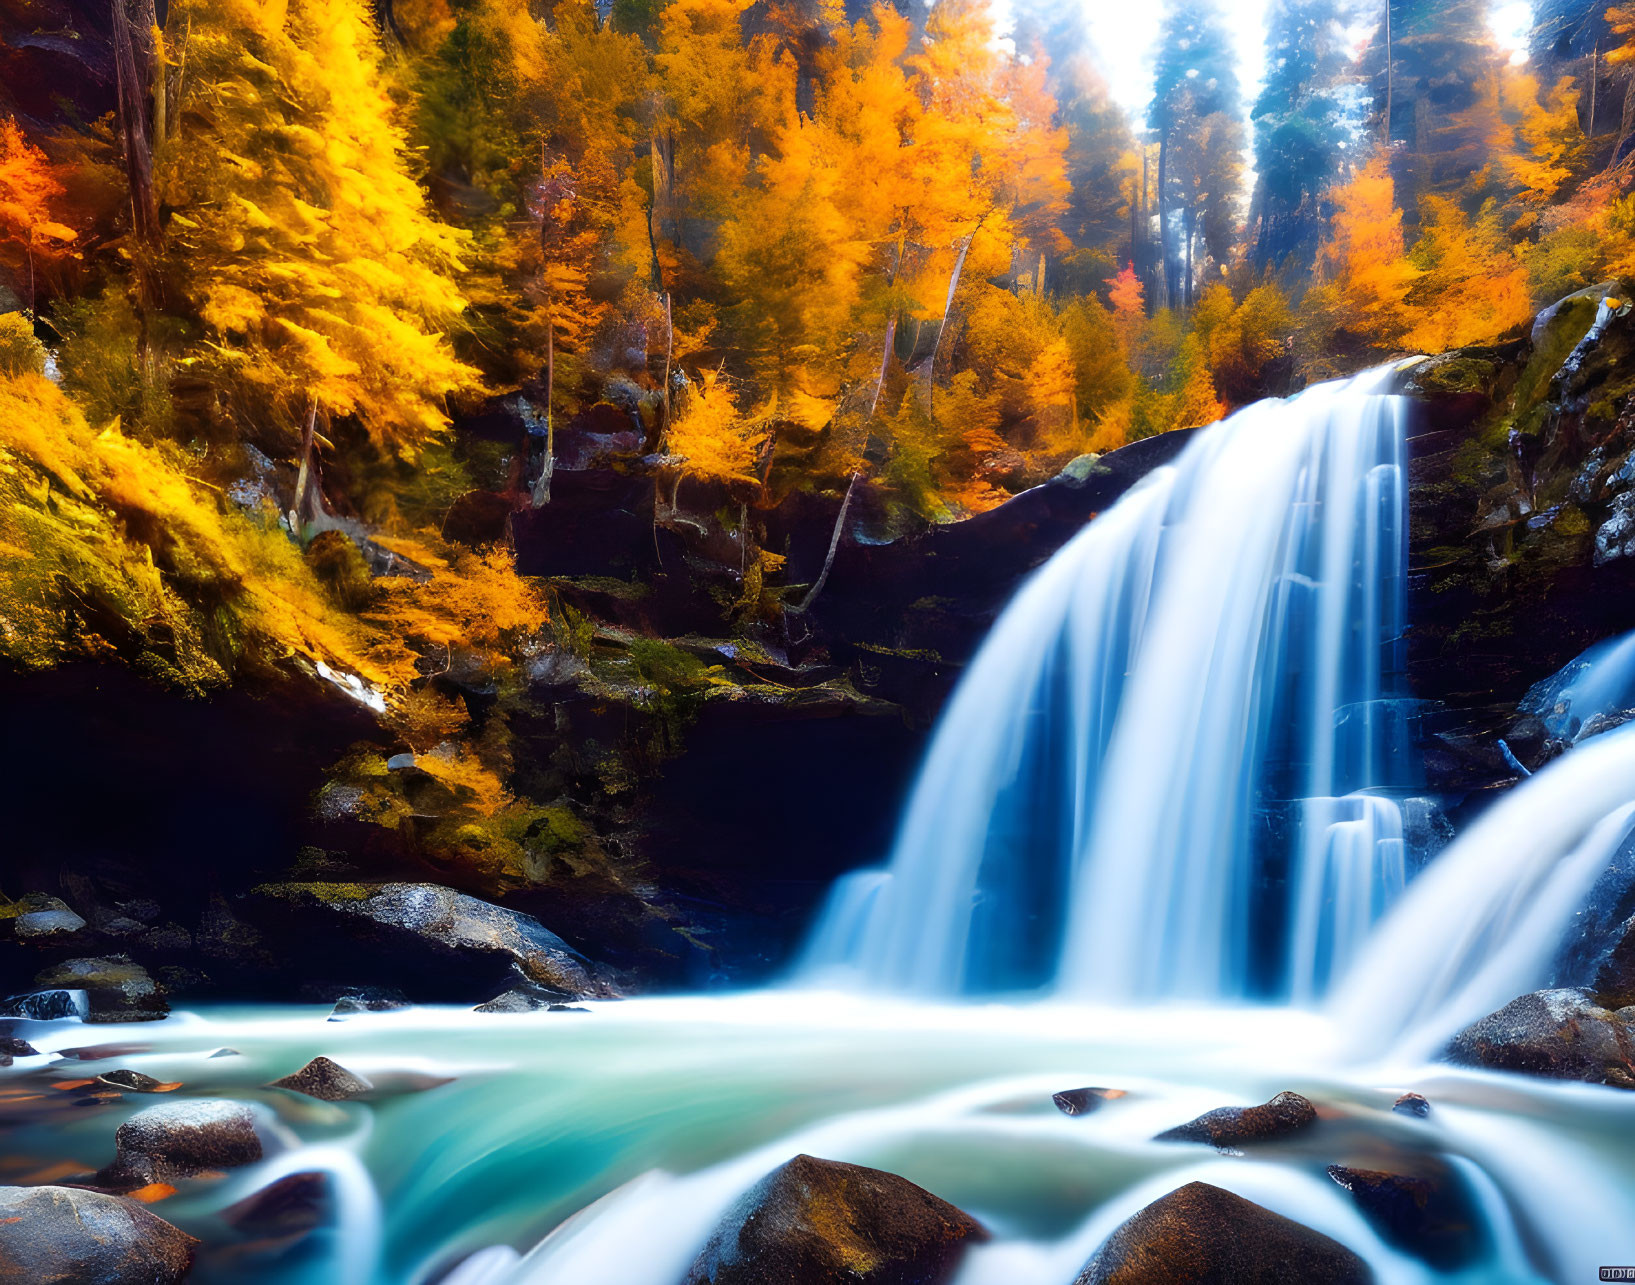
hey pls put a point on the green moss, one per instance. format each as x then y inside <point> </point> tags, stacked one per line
<point>1570,324</point>
<point>1455,375</point>
<point>906,653</point>
<point>328,893</point>
<point>562,829</point>
<point>624,590</point>
<point>1571,521</point>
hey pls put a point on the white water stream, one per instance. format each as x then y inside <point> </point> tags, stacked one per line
<point>604,1146</point>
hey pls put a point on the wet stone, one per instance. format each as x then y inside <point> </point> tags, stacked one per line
<point>181,1140</point>
<point>71,1236</point>
<point>823,1222</point>
<point>1203,1235</point>
<point>1083,1101</point>
<point>325,1080</point>
<point>135,1082</point>
<point>1429,1215</point>
<point>52,1005</point>
<point>293,1205</point>
<point>1227,1128</point>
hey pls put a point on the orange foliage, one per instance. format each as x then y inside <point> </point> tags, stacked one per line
<point>29,191</point>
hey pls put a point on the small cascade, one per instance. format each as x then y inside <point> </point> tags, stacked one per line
<point>1589,694</point>
<point>1489,918</point>
<point>1171,769</point>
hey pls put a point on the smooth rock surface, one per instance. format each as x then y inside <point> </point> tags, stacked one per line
<point>822,1222</point>
<point>434,941</point>
<point>325,1080</point>
<point>183,1139</point>
<point>1230,1127</point>
<point>1429,1214</point>
<point>1083,1101</point>
<point>69,1236</point>
<point>1563,1033</point>
<point>1202,1235</point>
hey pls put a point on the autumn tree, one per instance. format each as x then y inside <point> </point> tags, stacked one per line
<point>32,235</point>
<point>1359,296</point>
<point>296,232</point>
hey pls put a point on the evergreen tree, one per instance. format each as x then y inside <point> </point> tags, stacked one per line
<point>1300,128</point>
<point>1194,78</point>
<point>1436,93</point>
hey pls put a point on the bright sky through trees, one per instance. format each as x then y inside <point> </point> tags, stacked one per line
<point>1125,34</point>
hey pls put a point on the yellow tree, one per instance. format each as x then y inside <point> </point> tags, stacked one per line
<point>296,232</point>
<point>869,111</point>
<point>998,165</point>
<point>1363,273</point>
<point>1471,286</point>
<point>30,234</point>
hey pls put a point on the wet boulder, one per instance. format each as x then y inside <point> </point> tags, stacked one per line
<point>1228,1128</point>
<point>51,926</point>
<point>520,999</point>
<point>1614,982</point>
<point>823,1222</point>
<point>1083,1101</point>
<point>1414,1104</point>
<point>291,1206</point>
<point>128,1081</point>
<point>117,989</point>
<point>1429,1214</point>
<point>1563,1033</point>
<point>1202,1235</point>
<point>325,1080</point>
<point>70,1236</point>
<point>47,1005</point>
<point>182,1140</point>
<point>369,1000</point>
<point>430,942</point>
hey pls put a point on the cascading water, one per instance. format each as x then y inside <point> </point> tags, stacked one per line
<point>1195,704</point>
<point>1592,692</point>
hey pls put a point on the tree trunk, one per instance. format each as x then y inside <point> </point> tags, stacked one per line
<point>891,324</point>
<point>303,477</point>
<point>885,362</point>
<point>947,307</point>
<point>1595,77</point>
<point>1388,73</point>
<point>834,545</point>
<point>132,53</point>
<point>1192,239</point>
<point>669,357</point>
<point>542,488</point>
<point>1161,291</point>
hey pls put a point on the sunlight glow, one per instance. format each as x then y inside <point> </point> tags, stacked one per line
<point>1124,36</point>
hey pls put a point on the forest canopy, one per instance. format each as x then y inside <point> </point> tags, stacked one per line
<point>293,288</point>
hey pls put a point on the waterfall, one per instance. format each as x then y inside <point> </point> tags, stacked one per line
<point>1171,769</point>
<point>1487,919</point>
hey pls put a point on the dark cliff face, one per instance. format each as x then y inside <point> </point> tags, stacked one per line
<point>1522,525</point>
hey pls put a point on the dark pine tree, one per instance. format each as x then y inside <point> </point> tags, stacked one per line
<point>1194,78</point>
<point>1301,129</point>
<point>1433,78</point>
